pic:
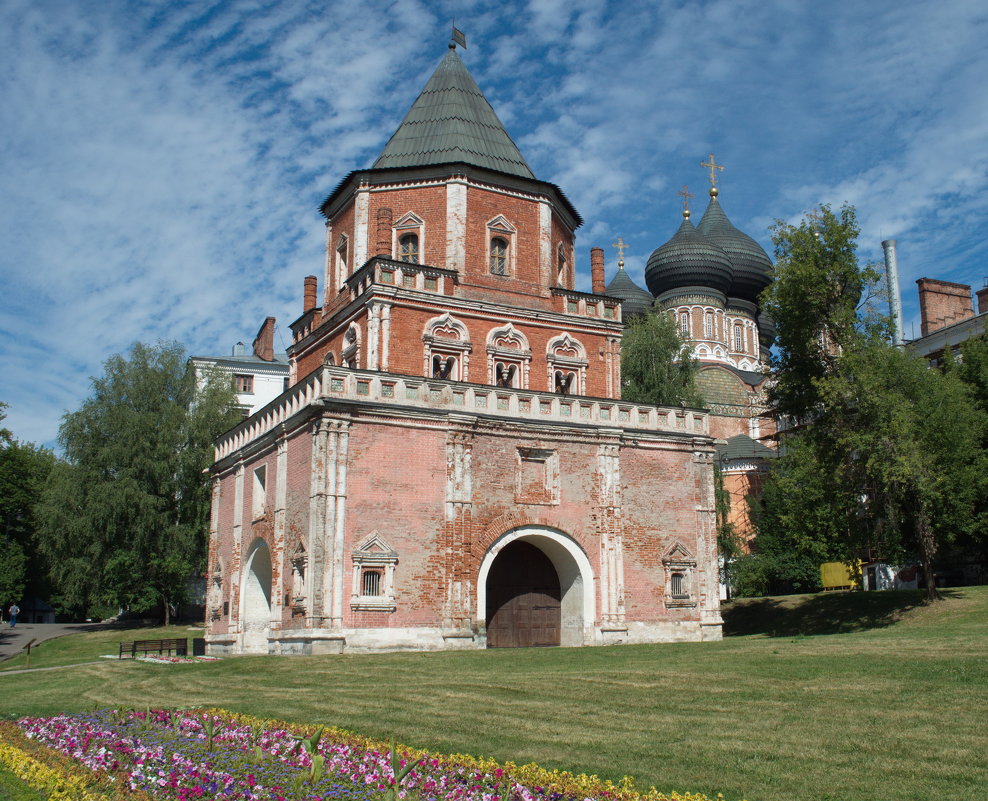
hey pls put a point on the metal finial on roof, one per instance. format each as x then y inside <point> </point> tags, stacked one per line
<point>620,245</point>
<point>685,194</point>
<point>457,38</point>
<point>816,222</point>
<point>713,166</point>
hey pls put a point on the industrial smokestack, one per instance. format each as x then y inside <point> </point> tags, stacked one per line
<point>895,300</point>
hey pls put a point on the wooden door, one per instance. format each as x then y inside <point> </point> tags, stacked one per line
<point>523,597</point>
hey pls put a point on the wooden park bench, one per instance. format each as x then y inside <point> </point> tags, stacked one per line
<point>180,645</point>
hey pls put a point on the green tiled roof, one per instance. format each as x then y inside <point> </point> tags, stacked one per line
<point>451,121</point>
<point>744,447</point>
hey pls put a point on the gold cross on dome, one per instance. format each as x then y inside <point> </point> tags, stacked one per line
<point>621,245</point>
<point>685,194</point>
<point>714,166</point>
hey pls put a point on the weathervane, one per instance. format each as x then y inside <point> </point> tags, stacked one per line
<point>685,194</point>
<point>714,166</point>
<point>621,245</point>
<point>457,38</point>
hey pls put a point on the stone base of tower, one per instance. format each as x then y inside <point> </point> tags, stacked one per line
<point>316,642</point>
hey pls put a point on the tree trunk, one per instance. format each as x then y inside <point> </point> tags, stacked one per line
<point>928,545</point>
<point>164,600</point>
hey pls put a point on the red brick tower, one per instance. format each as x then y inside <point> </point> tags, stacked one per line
<point>452,466</point>
<point>451,220</point>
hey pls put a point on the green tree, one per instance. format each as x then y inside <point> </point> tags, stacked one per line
<point>816,299</point>
<point>5,435</point>
<point>24,468</point>
<point>124,520</point>
<point>657,366</point>
<point>885,454</point>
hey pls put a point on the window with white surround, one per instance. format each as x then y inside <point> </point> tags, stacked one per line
<point>259,493</point>
<point>684,323</point>
<point>500,246</point>
<point>508,357</point>
<point>409,238</point>
<point>738,338</point>
<point>708,325</point>
<point>680,576</point>
<point>374,563</point>
<point>567,363</point>
<point>446,349</point>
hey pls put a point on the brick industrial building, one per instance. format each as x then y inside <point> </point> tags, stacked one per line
<point>452,465</point>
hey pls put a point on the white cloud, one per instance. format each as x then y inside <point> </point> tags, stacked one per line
<point>163,162</point>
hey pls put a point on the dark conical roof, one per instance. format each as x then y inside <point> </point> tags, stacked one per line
<point>752,268</point>
<point>742,446</point>
<point>451,121</point>
<point>634,299</point>
<point>688,259</point>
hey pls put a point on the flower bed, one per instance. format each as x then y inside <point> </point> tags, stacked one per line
<point>213,754</point>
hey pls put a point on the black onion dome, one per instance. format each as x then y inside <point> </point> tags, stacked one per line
<point>752,267</point>
<point>634,299</point>
<point>688,259</point>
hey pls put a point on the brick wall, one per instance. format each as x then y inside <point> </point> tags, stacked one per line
<point>942,303</point>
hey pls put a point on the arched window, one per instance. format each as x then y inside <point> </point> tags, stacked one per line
<point>567,362</point>
<point>505,374</point>
<point>738,339</point>
<point>499,256</point>
<point>708,326</point>
<point>447,349</point>
<point>408,249</point>
<point>564,381</point>
<point>560,266</point>
<point>444,367</point>
<point>342,262</point>
<point>684,323</point>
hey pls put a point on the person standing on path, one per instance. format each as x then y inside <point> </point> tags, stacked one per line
<point>13,612</point>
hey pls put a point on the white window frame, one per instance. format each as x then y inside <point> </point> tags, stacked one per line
<point>408,223</point>
<point>374,554</point>
<point>500,228</point>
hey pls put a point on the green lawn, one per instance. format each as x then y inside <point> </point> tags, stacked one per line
<point>893,705</point>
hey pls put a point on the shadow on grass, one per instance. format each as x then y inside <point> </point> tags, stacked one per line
<point>825,613</point>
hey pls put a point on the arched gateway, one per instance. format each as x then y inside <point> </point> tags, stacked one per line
<point>535,588</point>
<point>255,612</point>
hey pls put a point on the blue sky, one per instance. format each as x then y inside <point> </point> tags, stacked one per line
<point>161,163</point>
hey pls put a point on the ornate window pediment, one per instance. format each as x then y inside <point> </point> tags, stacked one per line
<point>507,338</point>
<point>680,579</point>
<point>447,348</point>
<point>374,563</point>
<point>566,359</point>
<point>508,357</point>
